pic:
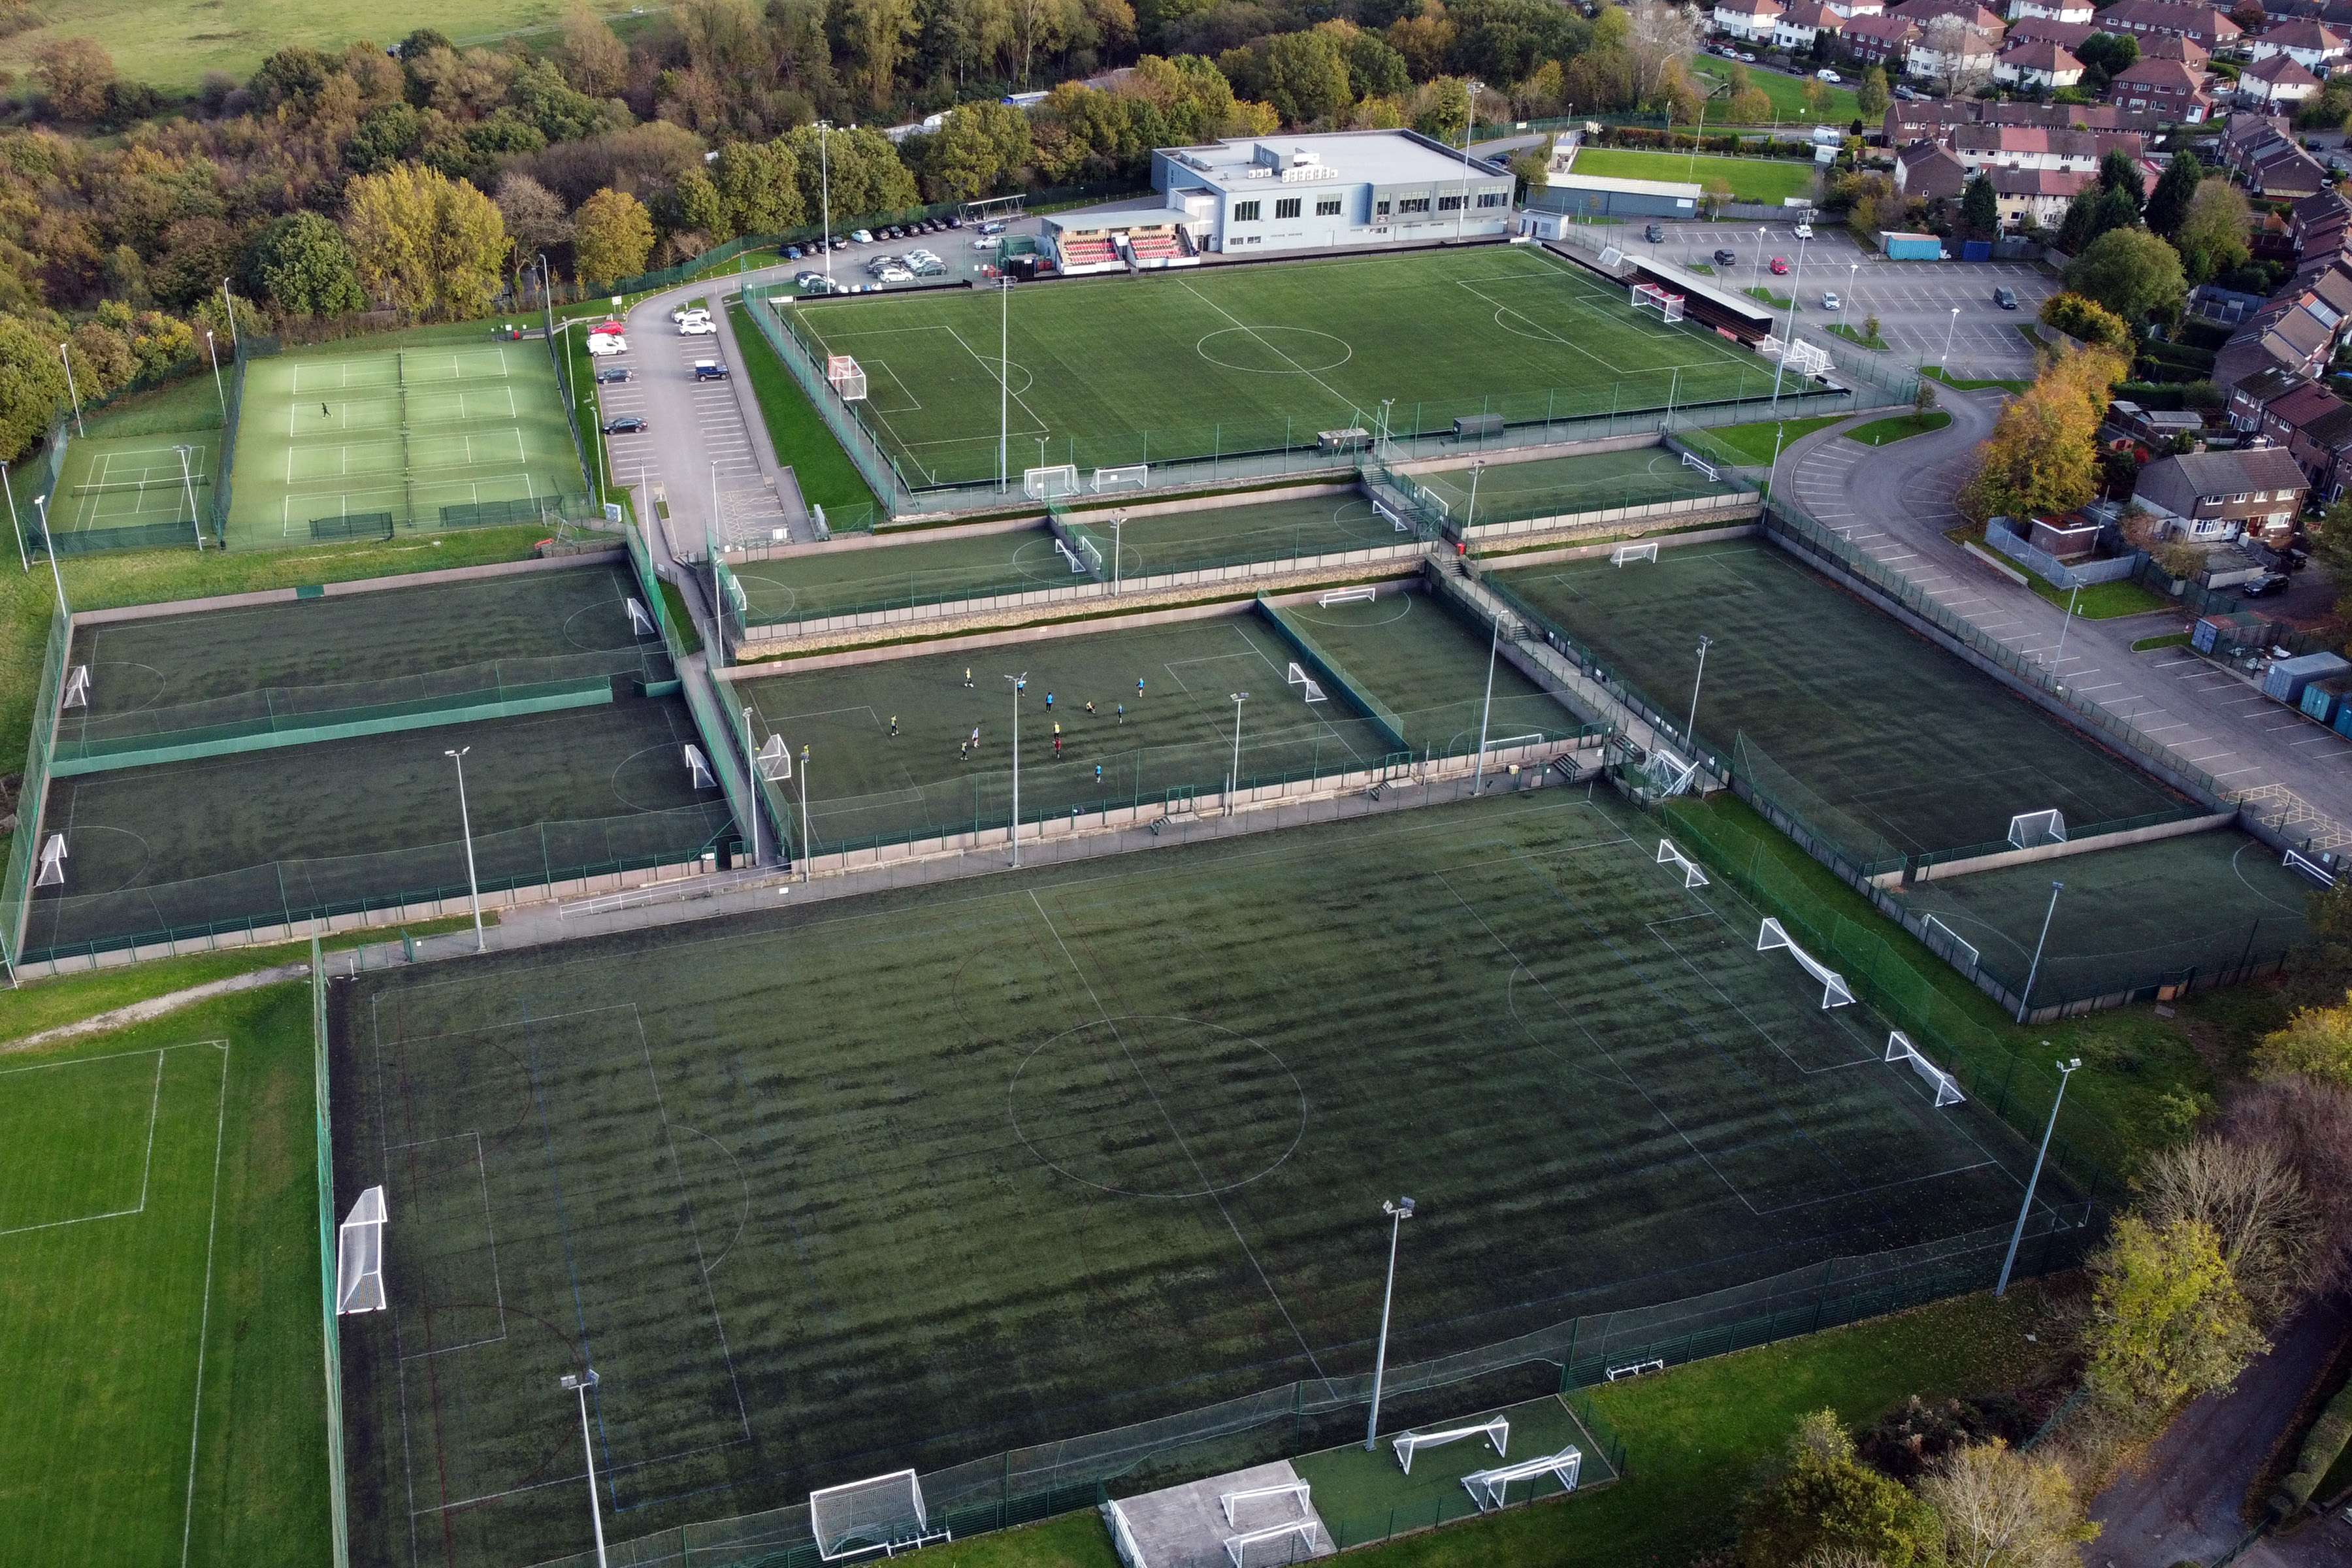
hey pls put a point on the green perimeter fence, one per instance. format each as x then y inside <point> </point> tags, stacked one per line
<point>1024,1485</point>
<point>1391,727</point>
<point>330,1337</point>
<point>16,891</point>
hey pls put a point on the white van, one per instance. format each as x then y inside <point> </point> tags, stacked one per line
<point>602,344</point>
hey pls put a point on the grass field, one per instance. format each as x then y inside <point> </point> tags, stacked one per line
<point>1751,179</point>
<point>160,1329</point>
<point>1508,492</point>
<point>364,429</point>
<point>2205,902</point>
<point>246,841</point>
<point>1787,93</point>
<point>823,470</point>
<point>1883,741</point>
<point>910,1180</point>
<point>1235,358</point>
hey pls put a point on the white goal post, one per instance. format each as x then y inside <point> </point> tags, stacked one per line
<point>1492,1488</point>
<point>1668,774</point>
<point>882,1513</point>
<point>1045,484</point>
<point>1900,1048</point>
<point>1237,1547</point>
<point>1364,594</point>
<point>2033,829</point>
<point>698,768</point>
<point>76,693</point>
<point>1496,1431</point>
<point>1296,675</point>
<point>52,872</point>
<point>1769,936</point>
<point>1134,477</point>
<point>1650,297</point>
<point>775,759</point>
<point>1692,460</point>
<point>2295,860</point>
<point>1670,856</point>
<point>1645,551</point>
<point>846,378</point>
<point>1299,1492</point>
<point>358,1256</point>
<point>1934,927</point>
<point>639,622</point>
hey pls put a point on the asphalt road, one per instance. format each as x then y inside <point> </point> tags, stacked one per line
<point>1895,503</point>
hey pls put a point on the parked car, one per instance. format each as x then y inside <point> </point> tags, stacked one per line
<point>1727,257</point>
<point>709,370</point>
<point>861,236</point>
<point>1804,231</point>
<point>611,374</point>
<point>1906,95</point>
<point>1746,59</point>
<point>1829,76</point>
<point>1830,301</point>
<point>2262,588</point>
<point>685,312</point>
<point>995,226</point>
<point>1655,234</point>
<point>626,425</point>
<point>985,242</point>
<point>794,253</point>
<point>696,327</point>
<point>2005,297</point>
<point>602,344</point>
<point>894,273</point>
<point>955,220</point>
<point>1780,267</point>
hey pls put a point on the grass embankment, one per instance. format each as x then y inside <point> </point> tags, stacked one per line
<point>1766,295</point>
<point>2169,639</point>
<point>1857,335</point>
<point>1938,372</point>
<point>1902,427</point>
<point>1754,444</point>
<point>2102,601</point>
<point>827,477</point>
<point>1773,180</point>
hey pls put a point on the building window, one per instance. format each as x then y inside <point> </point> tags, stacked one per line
<point>1328,207</point>
<point>1449,204</point>
<point>1286,206</point>
<point>1380,209</point>
<point>1413,204</point>
<point>1245,212</point>
<point>1490,198</point>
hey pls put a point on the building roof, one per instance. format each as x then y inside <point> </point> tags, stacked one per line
<point>2067,35</point>
<point>2040,182</point>
<point>1930,171</point>
<point>2039,139</point>
<point>1570,181</point>
<point>2281,70</point>
<point>1968,12</point>
<point>2266,387</point>
<point>1766,9</point>
<point>2161,76</point>
<point>1887,29</point>
<point>2300,33</point>
<point>2166,46</point>
<point>2039,55</point>
<point>1285,163</point>
<point>2228,473</point>
<point>2300,403</point>
<point>2199,22</point>
<point>1814,14</point>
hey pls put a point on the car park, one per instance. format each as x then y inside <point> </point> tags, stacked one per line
<point>2005,297</point>
<point>611,374</point>
<point>626,425</point>
<point>709,370</point>
<point>1727,257</point>
<point>1655,234</point>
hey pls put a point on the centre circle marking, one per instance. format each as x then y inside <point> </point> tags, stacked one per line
<point>1281,350</point>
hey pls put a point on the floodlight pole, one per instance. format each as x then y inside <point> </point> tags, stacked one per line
<point>1386,451</point>
<point>1494,648</point>
<point>1117,529</point>
<point>2065,1071</point>
<point>718,600</point>
<point>218,391</point>
<point>2058,657</point>
<point>1003,376</point>
<point>824,186</point>
<point>1690,730</point>
<point>808,839</point>
<point>1945,359</point>
<point>581,1385</point>
<point>1018,681</point>
<point>188,484</point>
<point>49,545</point>
<point>1398,1212</point>
<point>235,344</point>
<point>68,360</point>
<point>1796,287</point>
<point>752,771</point>
<point>2047,916</point>
<point>1469,119</point>
<point>23,561</point>
<point>465,822</point>
<point>1233,782</point>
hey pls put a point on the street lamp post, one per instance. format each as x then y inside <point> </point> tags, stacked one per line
<point>23,561</point>
<point>2047,916</point>
<point>1233,780</point>
<point>1385,450</point>
<point>71,393</point>
<point>1789,342</point>
<point>1118,528</point>
<point>466,824</point>
<point>581,1385</point>
<point>228,304</point>
<point>825,188</point>
<point>41,510</point>
<point>1398,1212</point>
<point>1947,360</point>
<point>218,390</point>
<point>1004,378</point>
<point>2058,657</point>
<point>1763,240</point>
<point>752,771</point>
<point>1487,709</point>
<point>1018,681</point>
<point>1691,729</point>
<point>1469,119</point>
<point>2065,1071</point>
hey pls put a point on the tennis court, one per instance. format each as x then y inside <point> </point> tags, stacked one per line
<point>1108,720</point>
<point>1507,492</point>
<point>1873,736</point>
<point>2142,915</point>
<point>135,482</point>
<point>357,440</point>
<point>1175,365</point>
<point>228,842</point>
<point>908,1180</point>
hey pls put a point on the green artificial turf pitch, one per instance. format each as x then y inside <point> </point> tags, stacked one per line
<point>252,840</point>
<point>2127,916</point>
<point>358,430</point>
<point>339,651</point>
<point>909,1180</point>
<point>1188,363</point>
<point>1875,737</point>
<point>1551,486</point>
<point>1364,1496</point>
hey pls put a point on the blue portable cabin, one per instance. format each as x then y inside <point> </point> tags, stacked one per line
<point>2342,725</point>
<point>2220,634</point>
<point>2288,677</point>
<point>2322,698</point>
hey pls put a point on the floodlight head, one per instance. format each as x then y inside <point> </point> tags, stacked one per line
<point>1241,696</point>
<point>2070,1064</point>
<point>456,750</point>
<point>1401,1209</point>
<point>573,1384</point>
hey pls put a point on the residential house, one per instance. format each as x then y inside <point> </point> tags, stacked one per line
<point>2246,131</point>
<point>2251,399</point>
<point>1803,22</point>
<point>2040,195</point>
<point>2165,46</point>
<point>2286,415</point>
<point>2202,25</point>
<point>2278,82</point>
<point>1879,40</point>
<point>1950,55</point>
<point>1929,171</point>
<point>2065,35</point>
<point>2051,10</point>
<point>2171,88</point>
<point>2033,147</point>
<point>2283,173</point>
<point>1750,21</point>
<point>1985,23</point>
<point>2312,45</point>
<point>1847,10</point>
<point>2036,65</point>
<point>2218,496</point>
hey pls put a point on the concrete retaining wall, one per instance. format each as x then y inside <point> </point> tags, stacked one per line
<point>2001,859</point>
<point>338,590</point>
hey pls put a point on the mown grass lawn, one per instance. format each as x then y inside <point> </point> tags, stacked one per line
<point>1787,93</point>
<point>1901,428</point>
<point>1753,445</point>
<point>2102,601</point>
<point>1771,179</point>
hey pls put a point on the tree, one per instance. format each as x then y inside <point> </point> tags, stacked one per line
<point>2310,1123</point>
<point>1750,106</point>
<point>1440,110</point>
<point>2043,455</point>
<point>1980,208</point>
<point>1871,94</point>
<point>594,59</point>
<point>981,145</point>
<point>2169,204</point>
<point>874,35</point>
<point>2132,273</point>
<point>2167,1322</point>
<point>695,208</point>
<point>612,237</point>
<point>2215,232</point>
<point>2092,323</point>
<point>73,75</point>
<point>32,385</point>
<point>2118,171</point>
<point>2248,1194</point>
<point>1307,78</point>
<point>424,243</point>
<point>533,214</point>
<point>2005,1510</point>
<point>1817,97</point>
<point>1661,37</point>
<point>302,263</point>
<point>2111,54</point>
<point>2315,1043</point>
<point>759,187</point>
<point>1823,1500</point>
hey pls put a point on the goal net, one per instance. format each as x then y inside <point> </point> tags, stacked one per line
<point>1492,1488</point>
<point>52,872</point>
<point>2294,860</point>
<point>1364,594</point>
<point>1496,1432</point>
<point>698,768</point>
<point>884,1513</point>
<point>1044,484</point>
<point>2033,829</point>
<point>358,1256</point>
<point>1937,932</point>
<point>76,688</point>
<point>1650,297</point>
<point>1611,258</point>
<point>1670,856</point>
<point>1692,460</point>
<point>1291,1542</point>
<point>639,622</point>
<point>1667,774</point>
<point>1624,553</point>
<point>1899,1049</point>
<point>1834,994</point>
<point>1307,689</point>
<point>847,380</point>
<point>775,759</point>
<point>1259,1508</point>
<point>1135,477</point>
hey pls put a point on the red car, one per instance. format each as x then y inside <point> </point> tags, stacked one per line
<point>1779,265</point>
